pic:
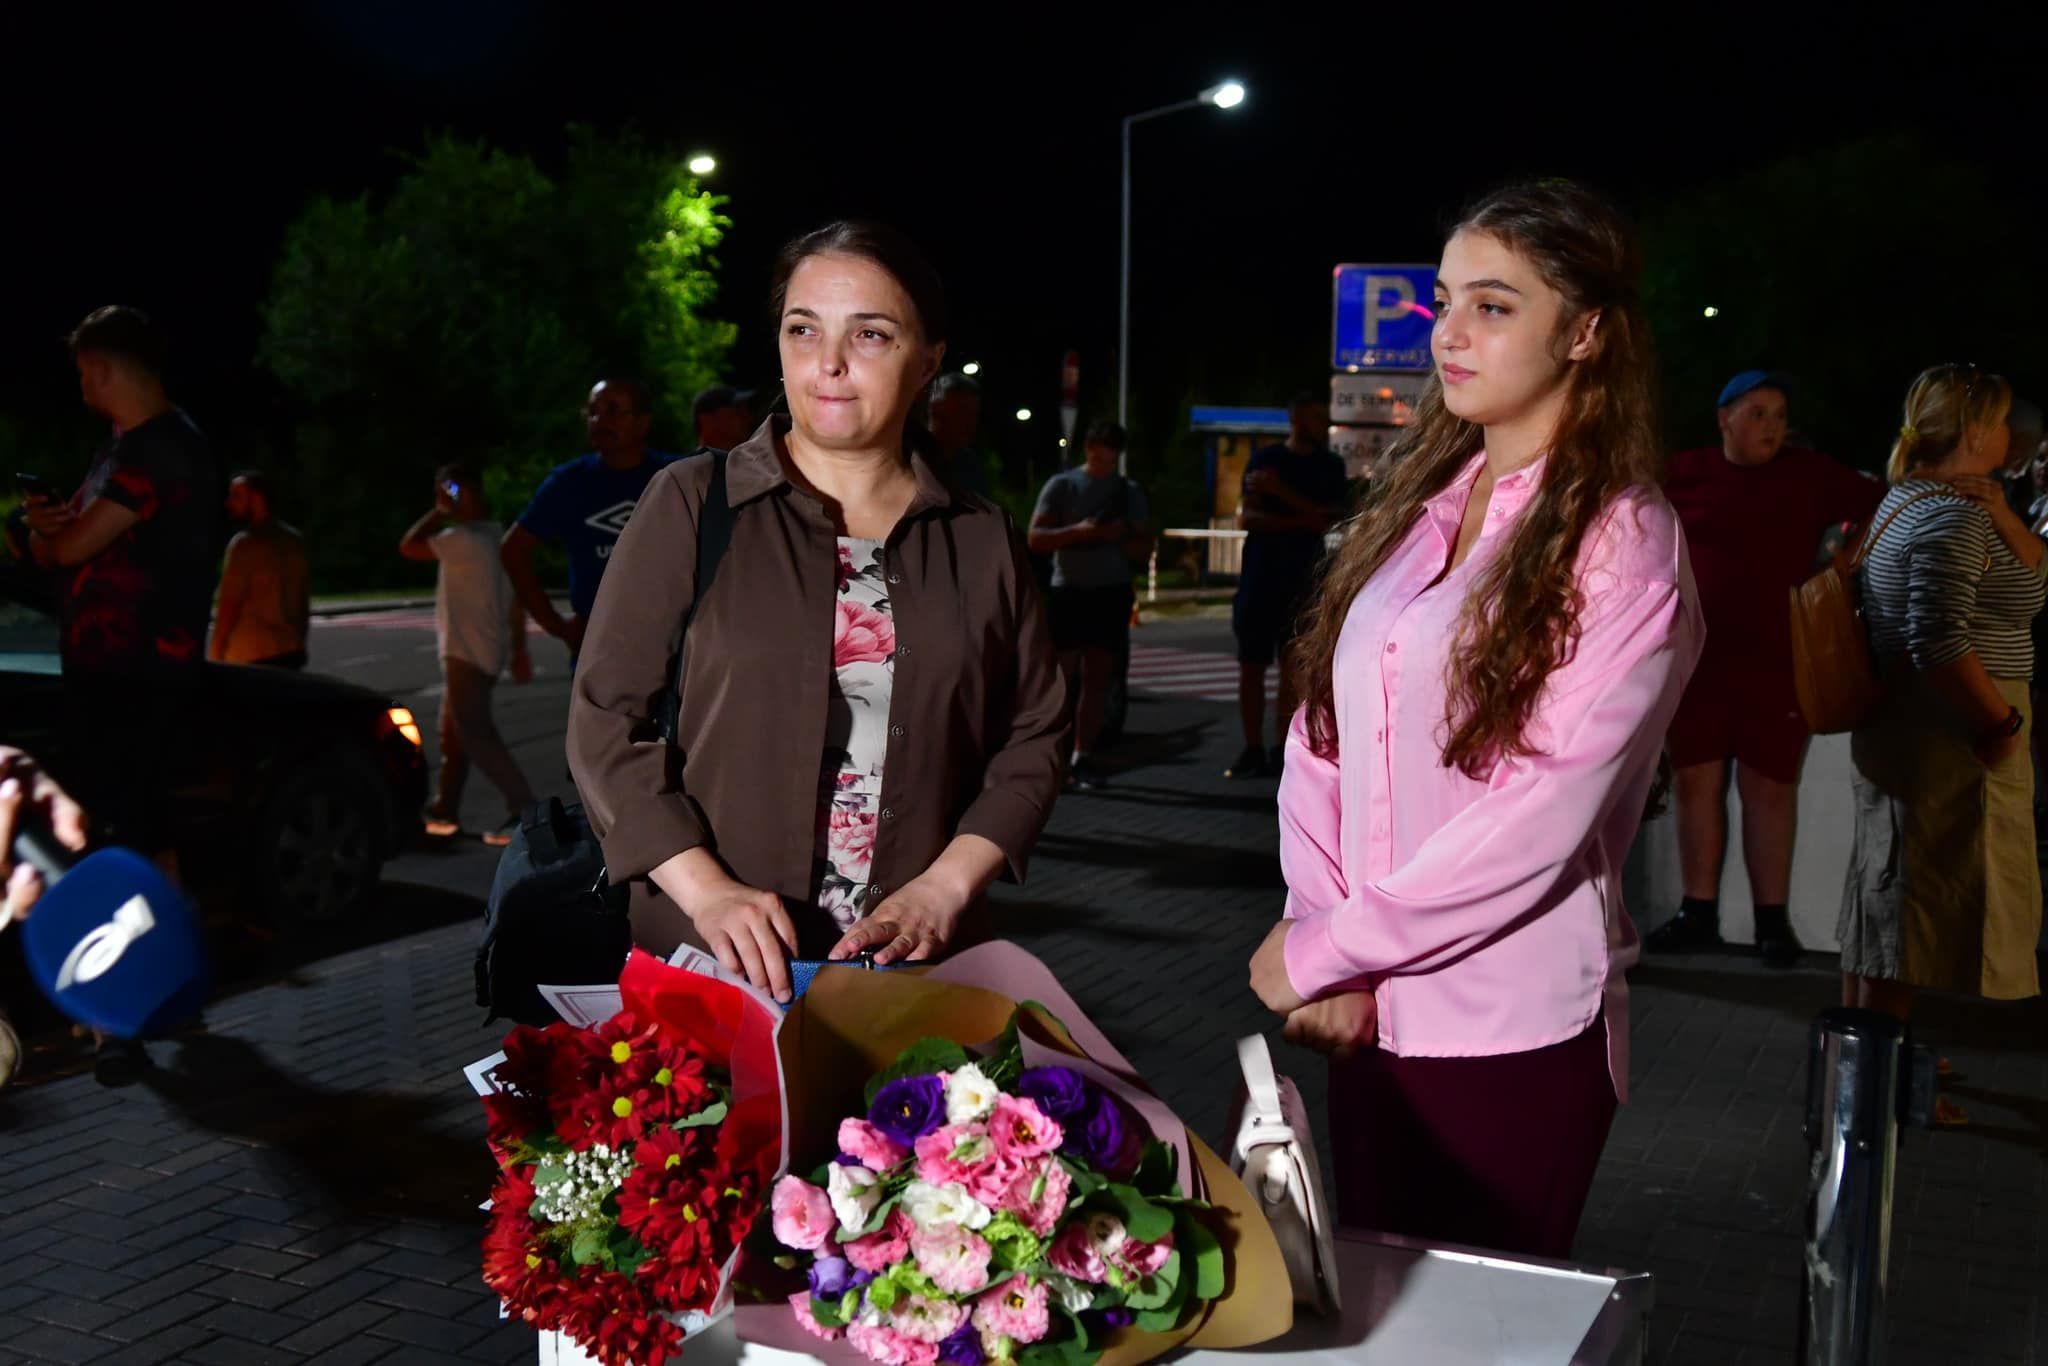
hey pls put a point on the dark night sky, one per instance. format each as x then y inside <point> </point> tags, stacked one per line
<point>156,162</point>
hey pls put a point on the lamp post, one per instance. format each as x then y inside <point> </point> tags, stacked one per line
<point>1228,95</point>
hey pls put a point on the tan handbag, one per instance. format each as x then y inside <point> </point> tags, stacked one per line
<point>1833,670</point>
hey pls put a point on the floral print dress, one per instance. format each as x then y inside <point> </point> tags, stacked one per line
<point>856,732</point>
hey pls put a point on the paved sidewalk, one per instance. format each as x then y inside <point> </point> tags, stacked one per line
<point>300,1183</point>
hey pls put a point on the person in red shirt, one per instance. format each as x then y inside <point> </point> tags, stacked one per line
<point>1754,511</point>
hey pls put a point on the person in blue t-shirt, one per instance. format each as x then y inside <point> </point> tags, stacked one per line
<point>1292,494</point>
<point>584,505</point>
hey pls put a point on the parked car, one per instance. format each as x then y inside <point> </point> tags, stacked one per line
<point>290,794</point>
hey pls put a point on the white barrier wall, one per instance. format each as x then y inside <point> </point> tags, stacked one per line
<point>1820,859</point>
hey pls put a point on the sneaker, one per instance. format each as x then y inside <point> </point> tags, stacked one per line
<point>1685,933</point>
<point>440,824</point>
<point>1250,763</point>
<point>502,836</point>
<point>1083,776</point>
<point>120,1062</point>
<point>1775,942</point>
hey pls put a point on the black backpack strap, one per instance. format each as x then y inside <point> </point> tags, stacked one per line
<point>544,823</point>
<point>714,535</point>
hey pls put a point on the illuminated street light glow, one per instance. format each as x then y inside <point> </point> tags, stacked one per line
<point>1228,95</point>
<point>971,368</point>
<point>1710,312</point>
<point>1023,414</point>
<point>703,164</point>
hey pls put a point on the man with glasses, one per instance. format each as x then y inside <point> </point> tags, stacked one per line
<point>1755,510</point>
<point>583,506</point>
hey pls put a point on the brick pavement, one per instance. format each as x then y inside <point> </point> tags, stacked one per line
<point>300,1183</point>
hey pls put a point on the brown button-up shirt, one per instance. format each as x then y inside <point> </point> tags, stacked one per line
<point>977,714</point>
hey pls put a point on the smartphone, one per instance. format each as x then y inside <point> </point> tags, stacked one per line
<point>34,486</point>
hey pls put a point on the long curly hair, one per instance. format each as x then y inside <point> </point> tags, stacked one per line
<point>1520,620</point>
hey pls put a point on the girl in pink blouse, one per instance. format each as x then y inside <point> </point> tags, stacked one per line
<point>1493,659</point>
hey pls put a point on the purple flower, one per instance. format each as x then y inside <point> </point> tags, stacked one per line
<point>831,1277</point>
<point>963,1348</point>
<point>1059,1091</point>
<point>909,1108</point>
<point>1102,1137</point>
<point>1112,1318</point>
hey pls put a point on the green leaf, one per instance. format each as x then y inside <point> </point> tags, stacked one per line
<point>626,1257</point>
<point>587,1249</point>
<point>924,1056</point>
<point>1153,1291</point>
<point>1168,1316</point>
<point>1193,1240</point>
<point>826,1312</point>
<point>1006,1064</point>
<point>1086,1182</point>
<point>1158,1171</point>
<point>549,1174</point>
<point>714,1114</point>
<point>1142,1219</point>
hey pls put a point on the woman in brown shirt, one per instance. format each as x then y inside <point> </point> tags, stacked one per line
<point>871,717</point>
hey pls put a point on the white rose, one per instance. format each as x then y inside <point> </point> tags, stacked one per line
<point>855,1192</point>
<point>1106,1232</point>
<point>1074,1296</point>
<point>970,1095</point>
<point>930,1206</point>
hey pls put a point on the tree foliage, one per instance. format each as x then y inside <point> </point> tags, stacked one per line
<point>464,315</point>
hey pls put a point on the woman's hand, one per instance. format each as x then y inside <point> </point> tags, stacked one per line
<point>1338,1025</point>
<point>24,786</point>
<point>1998,746</point>
<point>747,928</point>
<point>1269,973</point>
<point>915,923</point>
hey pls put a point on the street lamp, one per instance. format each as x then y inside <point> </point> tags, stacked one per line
<point>1023,414</point>
<point>1228,95</point>
<point>971,369</point>
<point>703,164</point>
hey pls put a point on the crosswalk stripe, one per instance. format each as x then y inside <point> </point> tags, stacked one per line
<point>1199,674</point>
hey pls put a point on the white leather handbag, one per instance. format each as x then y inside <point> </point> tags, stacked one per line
<point>1275,1154</point>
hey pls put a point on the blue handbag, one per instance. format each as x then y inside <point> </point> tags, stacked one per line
<point>804,971</point>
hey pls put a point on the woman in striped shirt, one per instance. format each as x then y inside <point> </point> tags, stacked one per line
<point>1943,890</point>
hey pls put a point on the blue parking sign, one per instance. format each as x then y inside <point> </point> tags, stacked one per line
<point>1383,317</point>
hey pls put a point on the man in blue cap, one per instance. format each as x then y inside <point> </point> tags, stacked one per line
<point>1755,511</point>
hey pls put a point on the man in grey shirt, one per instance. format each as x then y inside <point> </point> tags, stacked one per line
<point>1092,521</point>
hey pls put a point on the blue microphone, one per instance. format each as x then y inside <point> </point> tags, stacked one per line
<point>112,942</point>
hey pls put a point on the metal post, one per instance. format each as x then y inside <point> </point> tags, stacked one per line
<point>1123,334</point>
<point>1855,1085</point>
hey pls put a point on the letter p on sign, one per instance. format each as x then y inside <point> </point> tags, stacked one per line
<point>1380,308</point>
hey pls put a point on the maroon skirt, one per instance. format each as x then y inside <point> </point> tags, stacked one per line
<point>1494,1152</point>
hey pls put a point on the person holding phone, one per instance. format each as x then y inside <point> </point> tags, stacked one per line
<point>480,629</point>
<point>27,793</point>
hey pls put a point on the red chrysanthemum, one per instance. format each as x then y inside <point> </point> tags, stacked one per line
<point>611,1317</point>
<point>518,1265</point>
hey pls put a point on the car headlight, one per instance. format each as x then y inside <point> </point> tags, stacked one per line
<point>402,718</point>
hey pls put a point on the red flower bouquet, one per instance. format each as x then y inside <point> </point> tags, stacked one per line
<point>634,1156</point>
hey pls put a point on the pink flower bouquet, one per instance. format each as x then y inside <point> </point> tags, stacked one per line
<point>1018,1200</point>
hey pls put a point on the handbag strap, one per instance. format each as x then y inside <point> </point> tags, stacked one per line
<point>1261,1086</point>
<point>1870,541</point>
<point>714,533</point>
